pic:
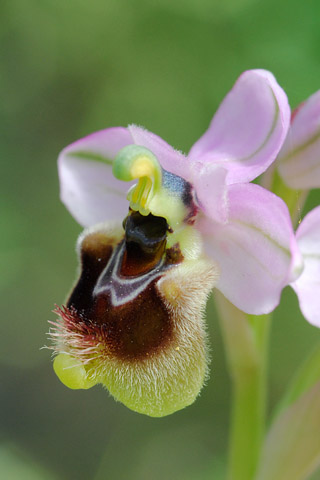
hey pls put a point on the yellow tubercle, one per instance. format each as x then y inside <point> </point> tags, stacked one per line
<point>71,372</point>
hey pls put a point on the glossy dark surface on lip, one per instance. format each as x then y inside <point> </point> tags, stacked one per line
<point>147,231</point>
<point>145,243</point>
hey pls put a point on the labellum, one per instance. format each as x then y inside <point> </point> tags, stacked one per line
<point>134,320</point>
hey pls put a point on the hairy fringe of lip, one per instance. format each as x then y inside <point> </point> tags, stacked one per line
<point>169,378</point>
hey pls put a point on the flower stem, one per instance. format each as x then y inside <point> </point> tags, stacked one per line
<point>246,342</point>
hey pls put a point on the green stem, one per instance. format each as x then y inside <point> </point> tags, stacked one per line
<point>246,340</point>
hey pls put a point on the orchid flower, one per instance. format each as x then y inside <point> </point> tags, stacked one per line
<point>134,321</point>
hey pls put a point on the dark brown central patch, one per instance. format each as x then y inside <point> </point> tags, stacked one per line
<point>135,329</point>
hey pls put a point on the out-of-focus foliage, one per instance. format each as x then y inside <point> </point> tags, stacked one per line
<point>70,68</point>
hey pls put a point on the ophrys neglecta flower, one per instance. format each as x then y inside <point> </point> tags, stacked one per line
<point>134,321</point>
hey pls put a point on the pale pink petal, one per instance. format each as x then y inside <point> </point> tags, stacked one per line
<point>169,158</point>
<point>256,251</point>
<point>248,130</point>
<point>211,190</point>
<point>299,159</point>
<point>307,286</point>
<point>87,185</point>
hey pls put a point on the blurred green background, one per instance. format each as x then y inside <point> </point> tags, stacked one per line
<point>69,68</point>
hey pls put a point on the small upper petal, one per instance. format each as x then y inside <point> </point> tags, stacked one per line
<point>209,181</point>
<point>307,286</point>
<point>248,130</point>
<point>256,250</point>
<point>87,185</point>
<point>299,159</point>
